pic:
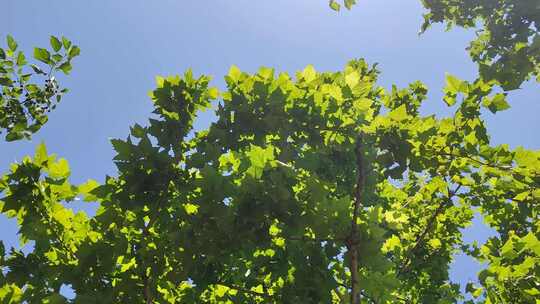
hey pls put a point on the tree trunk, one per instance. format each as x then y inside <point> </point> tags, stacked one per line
<point>352,243</point>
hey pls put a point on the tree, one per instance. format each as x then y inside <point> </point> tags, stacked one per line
<point>323,188</point>
<point>507,45</point>
<point>318,188</point>
<point>24,104</point>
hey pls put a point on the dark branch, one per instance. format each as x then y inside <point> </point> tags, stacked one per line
<point>352,242</point>
<point>305,238</point>
<point>420,239</point>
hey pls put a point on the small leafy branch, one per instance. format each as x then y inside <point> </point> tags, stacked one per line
<point>24,104</point>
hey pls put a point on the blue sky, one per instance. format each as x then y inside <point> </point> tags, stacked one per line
<point>125,44</point>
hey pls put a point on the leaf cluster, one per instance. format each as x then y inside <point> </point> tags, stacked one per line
<point>507,44</point>
<point>24,104</point>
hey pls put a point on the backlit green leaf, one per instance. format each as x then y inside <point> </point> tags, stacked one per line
<point>12,44</point>
<point>59,169</point>
<point>55,43</point>
<point>42,55</point>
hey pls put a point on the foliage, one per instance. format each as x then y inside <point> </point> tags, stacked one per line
<point>507,46</point>
<point>335,5</point>
<point>261,206</point>
<point>318,188</point>
<point>24,104</point>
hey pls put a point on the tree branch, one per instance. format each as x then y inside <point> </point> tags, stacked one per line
<point>305,238</point>
<point>420,239</point>
<point>352,242</point>
<point>482,163</point>
<point>147,292</point>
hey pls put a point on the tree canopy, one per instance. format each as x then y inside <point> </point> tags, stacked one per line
<point>267,206</point>
<point>318,187</point>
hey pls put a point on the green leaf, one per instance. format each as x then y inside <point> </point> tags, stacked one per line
<point>42,55</point>
<point>352,79</point>
<point>10,294</point>
<point>522,196</point>
<point>122,148</point>
<point>13,136</point>
<point>349,3</point>
<point>526,158</point>
<point>37,69</point>
<point>334,5</point>
<point>258,158</point>
<point>213,93</point>
<point>471,138</point>
<point>66,43</point>
<point>221,290</point>
<point>74,52</point>
<point>12,44</point>
<point>21,59</point>
<point>399,114</point>
<point>59,169</point>
<point>191,208</point>
<point>536,194</point>
<point>450,99</point>
<point>65,67</point>
<point>395,219</point>
<point>523,269</point>
<point>497,103</point>
<point>507,250</point>
<point>258,289</point>
<point>52,256</point>
<point>86,189</point>
<point>137,131</point>
<point>309,74</point>
<point>435,243</point>
<point>94,236</point>
<point>56,58</point>
<point>234,73</point>
<point>532,243</point>
<point>265,73</point>
<point>129,265</point>
<point>55,43</point>
<point>274,230</point>
<point>454,85</point>
<point>5,81</point>
<point>41,155</point>
<point>533,292</point>
<point>391,244</point>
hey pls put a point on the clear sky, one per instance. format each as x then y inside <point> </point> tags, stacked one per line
<point>126,43</point>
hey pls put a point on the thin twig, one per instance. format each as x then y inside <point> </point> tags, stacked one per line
<point>500,167</point>
<point>305,238</point>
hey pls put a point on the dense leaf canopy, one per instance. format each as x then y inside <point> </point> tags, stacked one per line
<point>259,207</point>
